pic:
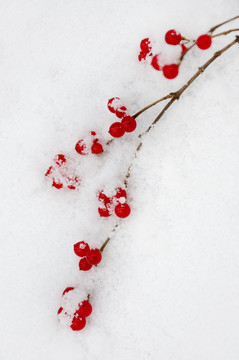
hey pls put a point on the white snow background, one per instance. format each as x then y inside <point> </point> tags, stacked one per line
<point>167,287</point>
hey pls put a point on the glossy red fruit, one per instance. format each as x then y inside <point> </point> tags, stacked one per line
<point>84,265</point>
<point>57,184</point>
<point>120,193</point>
<point>113,104</point>
<point>170,71</point>
<point>204,42</point>
<point>94,256</point>
<point>142,55</point>
<point>184,49</point>
<point>93,133</point>
<point>78,322</point>
<point>60,159</point>
<point>70,288</point>
<point>120,112</point>
<point>96,148</point>
<point>103,198</point>
<point>145,45</point>
<point>116,130</point>
<point>85,309</point>
<point>59,310</point>
<point>105,212</point>
<point>172,37</point>
<point>80,147</point>
<point>81,248</point>
<point>128,123</point>
<point>155,62</point>
<point>122,210</point>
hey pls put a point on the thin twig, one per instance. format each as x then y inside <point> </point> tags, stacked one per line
<point>223,23</point>
<point>175,96</point>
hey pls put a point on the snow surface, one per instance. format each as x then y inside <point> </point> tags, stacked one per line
<point>167,287</point>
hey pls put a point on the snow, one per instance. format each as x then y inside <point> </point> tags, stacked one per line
<point>167,287</point>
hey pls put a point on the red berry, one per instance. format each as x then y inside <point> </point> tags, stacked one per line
<point>172,37</point>
<point>96,148</point>
<point>72,182</point>
<point>81,248</point>
<point>204,42</point>
<point>84,265</point>
<point>49,171</point>
<point>184,49</point>
<point>120,112</point>
<point>116,130</point>
<point>105,212</point>
<point>170,71</point>
<point>113,104</point>
<point>81,147</point>
<point>128,123</point>
<point>142,55</point>
<point>78,323</point>
<point>60,159</point>
<point>70,288</point>
<point>122,210</point>
<point>155,62</point>
<point>93,133</point>
<point>85,309</point>
<point>145,45</point>
<point>57,185</point>
<point>120,193</point>
<point>59,310</point>
<point>105,199</point>
<point>94,256</point>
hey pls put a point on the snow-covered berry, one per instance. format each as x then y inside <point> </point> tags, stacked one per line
<point>80,147</point>
<point>85,309</point>
<point>81,248</point>
<point>155,62</point>
<point>172,37</point>
<point>78,322</point>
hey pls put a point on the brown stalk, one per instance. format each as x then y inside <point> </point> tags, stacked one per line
<point>174,96</point>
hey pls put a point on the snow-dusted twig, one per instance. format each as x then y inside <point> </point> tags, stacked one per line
<point>174,96</point>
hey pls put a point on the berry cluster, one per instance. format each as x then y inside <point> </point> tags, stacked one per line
<point>90,144</point>
<point>127,124</point>
<point>89,256</point>
<point>72,311</point>
<point>172,37</point>
<point>58,174</point>
<point>116,203</point>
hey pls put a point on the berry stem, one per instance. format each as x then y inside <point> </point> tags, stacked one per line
<point>223,23</point>
<point>150,105</point>
<point>174,96</point>
<point>224,33</point>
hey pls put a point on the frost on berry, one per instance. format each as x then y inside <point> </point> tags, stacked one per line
<point>68,313</point>
<point>172,37</point>
<point>145,50</point>
<point>90,144</point>
<point>62,175</point>
<point>114,104</point>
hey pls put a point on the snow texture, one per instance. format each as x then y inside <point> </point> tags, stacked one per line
<point>167,287</point>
